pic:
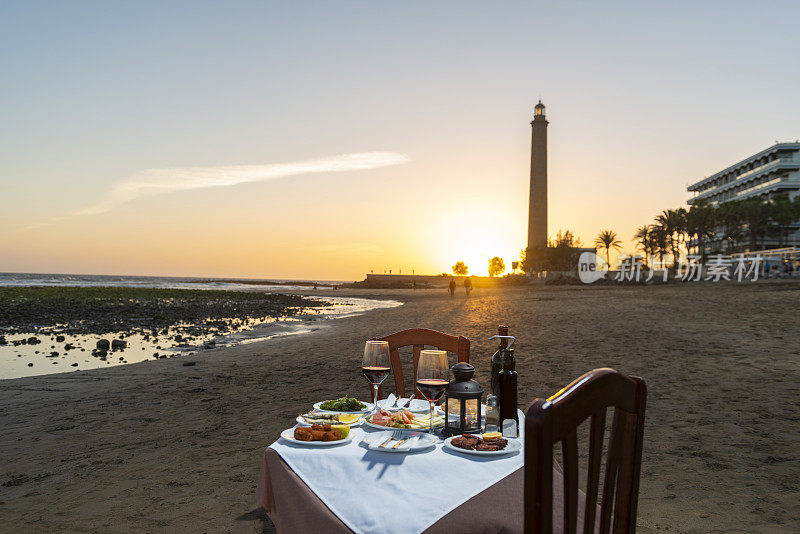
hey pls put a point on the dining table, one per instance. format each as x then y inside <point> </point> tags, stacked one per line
<point>350,488</point>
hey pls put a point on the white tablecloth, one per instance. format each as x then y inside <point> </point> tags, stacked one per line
<point>375,492</point>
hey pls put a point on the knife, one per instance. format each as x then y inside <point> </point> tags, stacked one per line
<point>412,437</point>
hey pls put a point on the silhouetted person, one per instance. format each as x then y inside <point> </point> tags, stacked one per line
<point>452,287</point>
<point>467,285</point>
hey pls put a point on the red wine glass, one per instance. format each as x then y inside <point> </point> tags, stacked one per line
<point>433,376</point>
<point>376,365</point>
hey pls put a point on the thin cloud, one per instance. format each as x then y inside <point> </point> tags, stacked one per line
<point>152,182</point>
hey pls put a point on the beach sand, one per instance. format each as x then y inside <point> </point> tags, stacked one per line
<point>163,447</point>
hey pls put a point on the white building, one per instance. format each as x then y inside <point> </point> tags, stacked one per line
<point>771,171</point>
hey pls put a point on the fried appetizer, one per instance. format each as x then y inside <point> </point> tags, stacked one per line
<point>303,433</point>
<point>331,435</point>
<point>474,443</point>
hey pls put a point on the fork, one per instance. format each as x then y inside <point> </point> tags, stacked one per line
<point>411,398</point>
<point>396,435</point>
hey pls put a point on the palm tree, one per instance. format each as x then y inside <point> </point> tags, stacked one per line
<point>644,238</point>
<point>607,239</point>
<point>674,224</point>
<point>756,215</point>
<point>729,215</point>
<point>660,241</point>
<point>783,215</point>
<point>701,222</point>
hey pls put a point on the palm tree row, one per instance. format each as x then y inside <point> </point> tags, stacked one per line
<point>734,226</point>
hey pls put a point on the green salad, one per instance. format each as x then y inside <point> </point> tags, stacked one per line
<point>345,404</point>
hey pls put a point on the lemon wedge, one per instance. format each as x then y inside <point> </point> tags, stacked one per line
<point>344,430</point>
<point>348,418</point>
<point>488,436</point>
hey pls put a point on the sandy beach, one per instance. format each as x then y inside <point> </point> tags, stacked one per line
<point>162,446</point>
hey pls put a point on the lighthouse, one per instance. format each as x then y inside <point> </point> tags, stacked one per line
<point>537,207</point>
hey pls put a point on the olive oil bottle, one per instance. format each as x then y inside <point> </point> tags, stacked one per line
<point>508,391</point>
<point>497,359</point>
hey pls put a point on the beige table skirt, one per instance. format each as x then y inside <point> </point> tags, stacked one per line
<point>498,509</point>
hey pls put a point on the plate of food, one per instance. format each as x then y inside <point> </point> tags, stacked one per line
<point>402,420</point>
<point>344,405</point>
<point>489,444</point>
<point>386,442</point>
<point>330,418</point>
<point>318,435</point>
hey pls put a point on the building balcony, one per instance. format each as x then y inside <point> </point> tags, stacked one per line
<point>770,168</point>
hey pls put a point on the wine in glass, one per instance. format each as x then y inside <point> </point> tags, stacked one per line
<point>433,376</point>
<point>376,365</point>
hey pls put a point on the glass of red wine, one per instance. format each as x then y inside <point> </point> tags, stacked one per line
<point>433,376</point>
<point>376,365</point>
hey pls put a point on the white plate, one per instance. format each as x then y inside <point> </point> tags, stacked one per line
<point>302,422</point>
<point>416,406</point>
<point>368,408</point>
<point>374,440</point>
<point>513,446</point>
<point>367,423</point>
<point>288,435</point>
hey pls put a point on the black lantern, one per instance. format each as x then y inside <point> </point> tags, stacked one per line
<point>463,398</point>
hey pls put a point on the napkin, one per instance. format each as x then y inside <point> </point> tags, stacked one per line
<point>410,443</point>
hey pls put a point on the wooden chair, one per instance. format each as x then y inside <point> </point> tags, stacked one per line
<point>419,338</point>
<point>556,419</point>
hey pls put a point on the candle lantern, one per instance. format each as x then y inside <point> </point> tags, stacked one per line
<point>463,402</point>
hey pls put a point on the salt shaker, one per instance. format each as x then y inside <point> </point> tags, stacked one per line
<point>492,414</point>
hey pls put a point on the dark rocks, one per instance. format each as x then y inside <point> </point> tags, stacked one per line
<point>69,346</point>
<point>33,340</point>
<point>210,344</point>
<point>60,339</point>
<point>30,365</point>
<point>188,364</point>
<point>74,365</point>
<point>155,355</point>
<point>103,344</point>
<point>3,340</point>
<point>118,344</point>
<point>52,354</point>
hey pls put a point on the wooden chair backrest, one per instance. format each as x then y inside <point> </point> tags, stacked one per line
<point>419,338</point>
<point>557,419</point>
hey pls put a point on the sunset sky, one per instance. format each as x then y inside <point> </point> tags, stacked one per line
<point>322,140</point>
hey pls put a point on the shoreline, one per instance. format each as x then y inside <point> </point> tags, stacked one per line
<point>160,446</point>
<point>107,326</point>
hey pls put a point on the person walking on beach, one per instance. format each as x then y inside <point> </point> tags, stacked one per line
<point>467,285</point>
<point>452,287</point>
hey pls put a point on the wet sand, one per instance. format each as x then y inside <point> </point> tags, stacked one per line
<point>164,447</point>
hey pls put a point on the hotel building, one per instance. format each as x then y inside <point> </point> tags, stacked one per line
<point>769,172</point>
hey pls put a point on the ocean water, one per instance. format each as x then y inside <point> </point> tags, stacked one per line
<point>74,353</point>
<point>163,282</point>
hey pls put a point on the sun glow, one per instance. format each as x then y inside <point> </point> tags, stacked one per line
<point>474,236</point>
